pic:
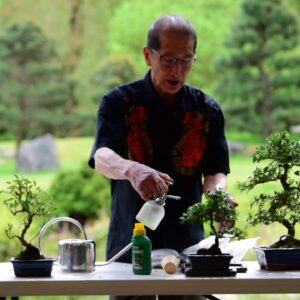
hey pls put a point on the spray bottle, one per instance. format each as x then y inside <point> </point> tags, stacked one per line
<point>152,212</point>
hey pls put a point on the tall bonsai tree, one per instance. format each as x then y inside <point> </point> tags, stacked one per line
<point>281,155</point>
<point>260,73</point>
<point>214,209</point>
<point>28,202</point>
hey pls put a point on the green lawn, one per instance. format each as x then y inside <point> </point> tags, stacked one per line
<point>74,151</point>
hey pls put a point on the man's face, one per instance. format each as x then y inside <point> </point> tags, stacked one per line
<point>169,75</point>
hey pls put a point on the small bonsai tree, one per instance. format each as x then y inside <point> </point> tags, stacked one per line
<point>215,208</point>
<point>26,200</point>
<point>282,157</point>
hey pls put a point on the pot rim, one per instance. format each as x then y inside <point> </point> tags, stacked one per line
<point>13,259</point>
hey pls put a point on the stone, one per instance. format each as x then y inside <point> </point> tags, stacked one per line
<point>38,154</point>
<point>235,147</point>
<point>296,129</point>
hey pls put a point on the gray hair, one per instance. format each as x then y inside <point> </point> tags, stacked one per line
<point>170,23</point>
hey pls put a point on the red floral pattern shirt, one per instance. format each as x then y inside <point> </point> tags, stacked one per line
<point>188,151</point>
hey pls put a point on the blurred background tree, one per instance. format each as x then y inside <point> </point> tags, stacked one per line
<point>32,84</point>
<point>261,70</point>
<point>116,70</point>
<point>98,44</point>
<point>89,33</point>
<point>81,194</point>
<point>131,20</point>
<point>73,55</point>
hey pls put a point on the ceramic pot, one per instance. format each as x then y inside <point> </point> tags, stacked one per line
<point>278,259</point>
<point>32,268</point>
<point>210,262</point>
<point>209,265</point>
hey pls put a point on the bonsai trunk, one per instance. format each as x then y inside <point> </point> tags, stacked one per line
<point>30,253</point>
<point>213,249</point>
<point>290,228</point>
<point>286,241</point>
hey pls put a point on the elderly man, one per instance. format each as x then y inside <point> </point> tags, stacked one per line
<point>158,130</point>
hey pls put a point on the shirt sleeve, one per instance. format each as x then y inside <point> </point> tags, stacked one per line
<point>216,156</point>
<point>111,130</point>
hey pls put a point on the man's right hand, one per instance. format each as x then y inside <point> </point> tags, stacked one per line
<point>149,183</point>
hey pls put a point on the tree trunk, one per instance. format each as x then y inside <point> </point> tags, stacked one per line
<point>75,50</point>
<point>21,125</point>
<point>266,100</point>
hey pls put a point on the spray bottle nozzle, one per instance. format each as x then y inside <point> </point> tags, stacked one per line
<point>162,199</point>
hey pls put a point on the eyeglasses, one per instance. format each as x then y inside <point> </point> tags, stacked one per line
<point>170,61</point>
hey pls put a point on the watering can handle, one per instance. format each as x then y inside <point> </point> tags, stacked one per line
<point>55,220</point>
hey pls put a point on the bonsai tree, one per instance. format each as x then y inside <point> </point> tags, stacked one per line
<point>215,208</point>
<point>26,201</point>
<point>281,155</point>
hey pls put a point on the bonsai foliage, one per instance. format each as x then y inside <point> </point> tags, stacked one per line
<point>215,208</point>
<point>26,200</point>
<point>282,155</point>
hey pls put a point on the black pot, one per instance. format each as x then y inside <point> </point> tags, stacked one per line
<point>210,262</point>
<point>278,259</point>
<point>209,265</point>
<point>33,268</point>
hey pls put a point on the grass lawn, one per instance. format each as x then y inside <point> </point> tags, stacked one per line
<point>74,151</point>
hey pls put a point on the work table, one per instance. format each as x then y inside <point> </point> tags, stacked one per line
<point>118,279</point>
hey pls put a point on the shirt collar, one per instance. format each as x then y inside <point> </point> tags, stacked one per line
<point>154,96</point>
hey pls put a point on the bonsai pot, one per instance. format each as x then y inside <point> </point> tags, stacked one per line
<point>33,268</point>
<point>278,259</point>
<point>209,265</point>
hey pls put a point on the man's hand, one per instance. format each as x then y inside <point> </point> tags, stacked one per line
<point>219,180</point>
<point>224,224</point>
<point>148,182</point>
<point>232,201</point>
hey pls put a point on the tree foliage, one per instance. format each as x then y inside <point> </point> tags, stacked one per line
<point>215,208</point>
<point>261,71</point>
<point>132,18</point>
<point>282,156</point>
<point>87,32</point>
<point>81,194</point>
<point>33,93</point>
<point>116,70</point>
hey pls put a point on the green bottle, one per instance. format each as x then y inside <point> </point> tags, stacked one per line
<point>141,251</point>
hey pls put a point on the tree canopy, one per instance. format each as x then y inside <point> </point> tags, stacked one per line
<point>88,33</point>
<point>261,69</point>
<point>32,85</point>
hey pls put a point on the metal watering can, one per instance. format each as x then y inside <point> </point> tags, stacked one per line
<point>77,255</point>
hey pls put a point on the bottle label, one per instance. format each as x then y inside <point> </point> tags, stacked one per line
<point>138,257</point>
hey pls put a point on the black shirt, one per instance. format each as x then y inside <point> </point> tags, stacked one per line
<point>185,141</point>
